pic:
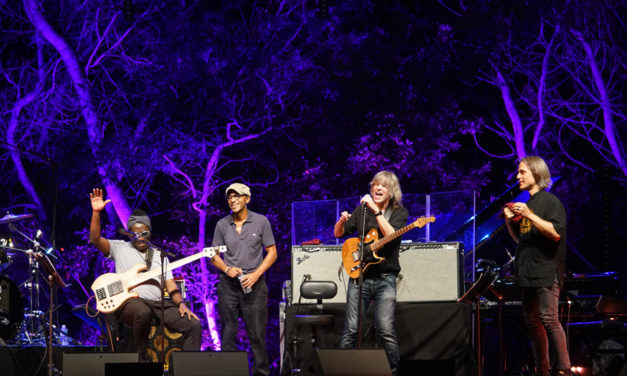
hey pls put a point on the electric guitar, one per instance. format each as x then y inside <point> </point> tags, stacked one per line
<point>350,248</point>
<point>112,289</point>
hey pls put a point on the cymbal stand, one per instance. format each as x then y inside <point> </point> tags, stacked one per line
<point>34,321</point>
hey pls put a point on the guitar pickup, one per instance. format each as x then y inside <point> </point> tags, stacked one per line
<point>115,288</point>
<point>100,294</point>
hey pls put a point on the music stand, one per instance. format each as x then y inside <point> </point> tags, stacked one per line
<point>54,281</point>
<point>471,297</point>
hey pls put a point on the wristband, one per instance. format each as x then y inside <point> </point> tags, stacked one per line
<point>226,271</point>
<point>378,214</point>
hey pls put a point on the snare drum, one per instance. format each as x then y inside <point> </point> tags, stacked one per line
<point>11,309</point>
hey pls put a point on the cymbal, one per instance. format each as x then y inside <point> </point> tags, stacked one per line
<point>13,218</point>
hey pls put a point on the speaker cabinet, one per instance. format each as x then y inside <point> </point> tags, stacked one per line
<point>219,363</point>
<point>352,362</point>
<point>430,272</point>
<point>318,263</point>
<point>93,364</point>
<point>133,369</point>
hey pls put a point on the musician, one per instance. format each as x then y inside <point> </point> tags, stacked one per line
<point>139,312</point>
<point>539,228</point>
<point>245,234</point>
<point>384,212</point>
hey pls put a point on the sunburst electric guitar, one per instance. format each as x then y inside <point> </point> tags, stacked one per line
<point>112,289</point>
<point>372,243</point>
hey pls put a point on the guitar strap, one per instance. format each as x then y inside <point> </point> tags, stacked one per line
<point>387,213</point>
<point>149,253</point>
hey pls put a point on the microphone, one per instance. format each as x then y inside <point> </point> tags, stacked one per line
<point>123,232</point>
<point>163,251</point>
<point>363,204</point>
<point>130,235</point>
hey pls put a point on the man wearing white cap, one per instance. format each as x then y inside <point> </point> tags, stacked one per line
<point>242,286</point>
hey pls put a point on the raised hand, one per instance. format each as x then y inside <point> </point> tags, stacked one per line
<point>97,200</point>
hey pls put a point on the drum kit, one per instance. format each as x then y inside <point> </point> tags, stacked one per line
<point>20,324</point>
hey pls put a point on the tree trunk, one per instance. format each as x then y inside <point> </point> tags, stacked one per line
<point>34,11</point>
<point>519,134</point>
<point>606,105</point>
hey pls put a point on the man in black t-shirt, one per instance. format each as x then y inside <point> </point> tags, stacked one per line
<point>386,214</point>
<point>539,227</point>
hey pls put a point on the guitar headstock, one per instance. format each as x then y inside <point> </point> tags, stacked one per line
<point>212,251</point>
<point>422,221</point>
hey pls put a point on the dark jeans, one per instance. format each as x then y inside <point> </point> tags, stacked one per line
<point>540,309</point>
<point>254,311</point>
<point>138,313</point>
<point>381,290</point>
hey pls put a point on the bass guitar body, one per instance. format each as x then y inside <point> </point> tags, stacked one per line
<point>112,289</point>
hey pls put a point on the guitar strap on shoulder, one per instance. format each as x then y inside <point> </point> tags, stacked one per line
<point>149,253</point>
<point>387,213</point>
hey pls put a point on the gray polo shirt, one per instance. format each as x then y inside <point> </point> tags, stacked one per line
<point>244,250</point>
<point>126,256</point>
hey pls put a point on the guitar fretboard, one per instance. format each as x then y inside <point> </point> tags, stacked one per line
<point>420,222</point>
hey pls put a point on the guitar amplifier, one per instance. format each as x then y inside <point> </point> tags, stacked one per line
<point>318,263</point>
<point>430,272</point>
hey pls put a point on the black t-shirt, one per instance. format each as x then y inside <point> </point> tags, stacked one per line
<point>538,258</point>
<point>398,218</point>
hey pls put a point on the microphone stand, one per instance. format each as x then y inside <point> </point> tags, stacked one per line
<point>361,270</point>
<point>162,255</point>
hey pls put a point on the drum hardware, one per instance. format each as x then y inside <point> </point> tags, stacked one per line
<point>33,321</point>
<point>8,218</point>
<point>11,309</point>
<point>34,318</point>
<point>36,256</point>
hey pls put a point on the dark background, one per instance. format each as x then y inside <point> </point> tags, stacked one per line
<point>164,104</point>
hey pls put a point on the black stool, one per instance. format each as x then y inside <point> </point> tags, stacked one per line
<point>317,290</point>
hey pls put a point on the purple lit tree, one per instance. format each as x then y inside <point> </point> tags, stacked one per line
<point>561,88</point>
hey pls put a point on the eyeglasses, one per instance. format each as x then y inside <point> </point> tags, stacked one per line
<point>233,197</point>
<point>143,234</point>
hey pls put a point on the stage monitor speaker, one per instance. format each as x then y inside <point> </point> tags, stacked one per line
<point>133,369</point>
<point>219,363</point>
<point>93,364</point>
<point>352,362</point>
<point>430,272</point>
<point>318,263</point>
<point>440,367</point>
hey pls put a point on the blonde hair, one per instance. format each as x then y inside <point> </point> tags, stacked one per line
<point>390,181</point>
<point>539,170</point>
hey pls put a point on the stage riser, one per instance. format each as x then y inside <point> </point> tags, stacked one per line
<point>430,272</point>
<point>437,334</point>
